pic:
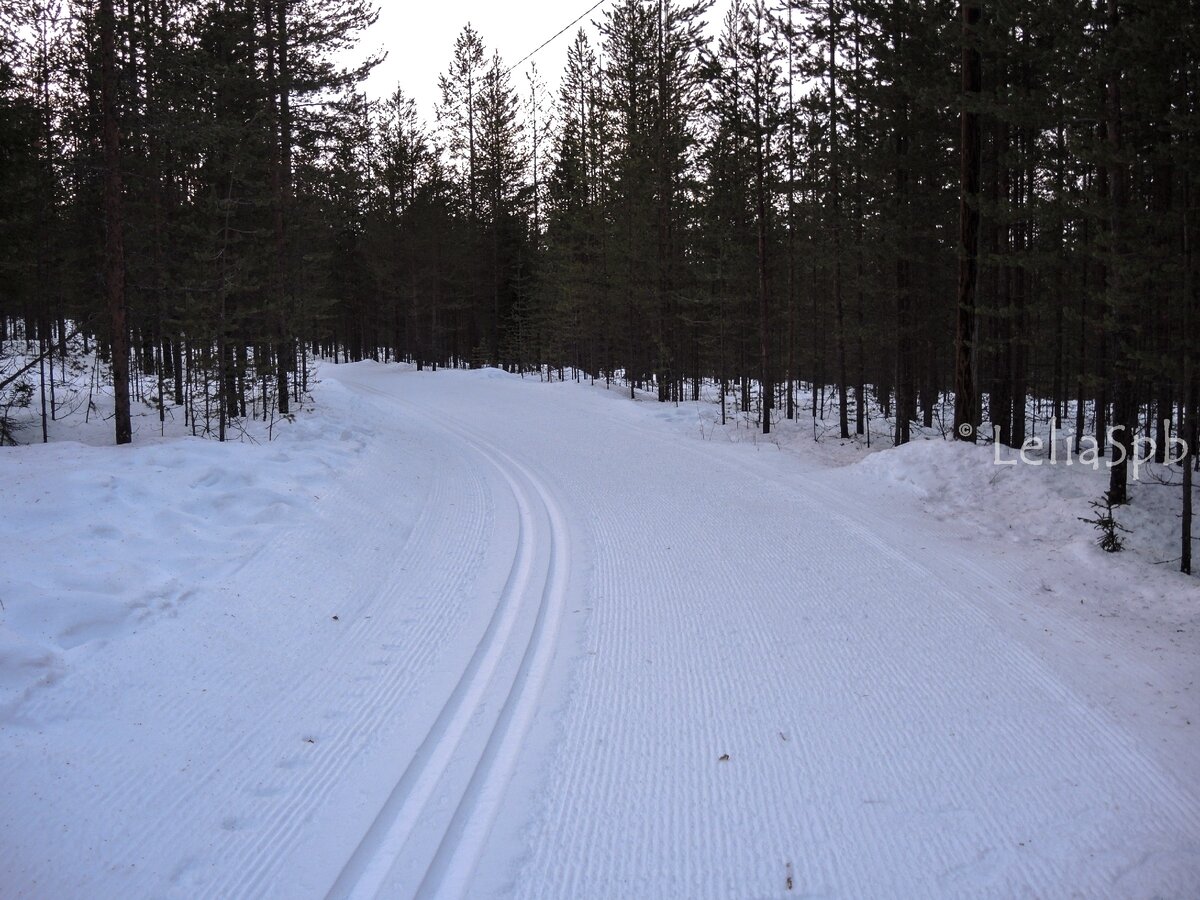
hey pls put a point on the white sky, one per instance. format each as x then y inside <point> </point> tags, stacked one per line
<point>419,37</point>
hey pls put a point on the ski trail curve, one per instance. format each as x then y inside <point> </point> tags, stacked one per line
<point>380,865</point>
<point>775,695</point>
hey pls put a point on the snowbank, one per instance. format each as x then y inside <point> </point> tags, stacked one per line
<point>1000,496</point>
<point>101,540</point>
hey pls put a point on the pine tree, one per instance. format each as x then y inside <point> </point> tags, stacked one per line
<point>748,103</point>
<point>114,251</point>
<point>458,112</point>
<point>502,167</point>
<point>965,413</point>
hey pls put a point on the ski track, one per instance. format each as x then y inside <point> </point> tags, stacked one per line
<point>449,541</point>
<point>381,864</point>
<point>262,856</point>
<point>777,691</point>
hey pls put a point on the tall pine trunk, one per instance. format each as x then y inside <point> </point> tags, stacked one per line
<point>966,411</point>
<point>1124,401</point>
<point>114,245</point>
<point>281,184</point>
<point>905,364</point>
<point>835,211</point>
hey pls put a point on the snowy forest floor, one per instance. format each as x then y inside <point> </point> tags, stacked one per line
<point>467,634</point>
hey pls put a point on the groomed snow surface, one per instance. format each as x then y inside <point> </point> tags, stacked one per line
<point>462,634</point>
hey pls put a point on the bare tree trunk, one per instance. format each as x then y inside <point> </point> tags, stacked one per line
<point>1124,403</point>
<point>791,225</point>
<point>905,400</point>
<point>860,390</point>
<point>1190,432</point>
<point>764,310</point>
<point>835,211</point>
<point>966,408</point>
<point>1185,531</point>
<point>905,368</point>
<point>662,361</point>
<point>114,245</point>
<point>284,350</point>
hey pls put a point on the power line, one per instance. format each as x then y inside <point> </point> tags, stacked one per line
<point>556,35</point>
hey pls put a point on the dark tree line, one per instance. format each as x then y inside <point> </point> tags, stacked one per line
<point>175,187</point>
<point>876,204</point>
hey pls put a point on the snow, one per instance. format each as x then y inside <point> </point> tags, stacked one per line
<point>107,539</point>
<point>467,634</point>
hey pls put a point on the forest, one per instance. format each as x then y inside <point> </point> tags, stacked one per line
<point>888,203</point>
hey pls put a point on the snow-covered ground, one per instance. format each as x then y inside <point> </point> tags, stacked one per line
<point>465,634</point>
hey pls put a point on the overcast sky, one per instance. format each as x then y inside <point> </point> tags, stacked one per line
<point>419,38</point>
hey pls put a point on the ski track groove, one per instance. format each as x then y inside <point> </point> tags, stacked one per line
<point>448,872</point>
<point>288,821</point>
<point>476,813</point>
<point>451,543</point>
<point>385,839</point>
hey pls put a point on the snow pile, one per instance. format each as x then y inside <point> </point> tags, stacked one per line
<point>1000,496</point>
<point>100,540</point>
